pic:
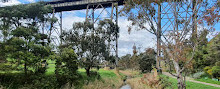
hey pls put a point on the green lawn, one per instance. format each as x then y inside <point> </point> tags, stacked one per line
<point>51,67</point>
<point>208,80</point>
<point>106,73</point>
<point>190,85</point>
<point>102,72</point>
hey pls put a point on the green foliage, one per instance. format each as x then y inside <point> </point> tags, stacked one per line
<point>147,60</point>
<point>217,63</point>
<point>6,67</point>
<point>66,66</point>
<point>2,52</point>
<point>207,68</point>
<point>42,81</point>
<point>201,53</point>
<point>164,81</point>
<point>216,72</point>
<point>214,51</point>
<point>144,61</point>
<point>89,43</point>
<point>18,80</point>
<point>109,29</point>
<point>25,46</point>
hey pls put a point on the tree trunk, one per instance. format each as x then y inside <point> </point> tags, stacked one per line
<point>25,69</point>
<point>88,71</point>
<point>180,82</point>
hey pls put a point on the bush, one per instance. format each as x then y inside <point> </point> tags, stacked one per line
<point>216,72</point>
<point>198,75</point>
<point>6,67</point>
<point>206,69</point>
<point>41,70</point>
<point>41,81</point>
<point>146,62</point>
<point>217,63</point>
<point>66,66</point>
<point>32,81</point>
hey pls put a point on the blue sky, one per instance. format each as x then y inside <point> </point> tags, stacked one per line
<point>142,39</point>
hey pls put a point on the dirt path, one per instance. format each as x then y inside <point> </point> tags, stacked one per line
<point>192,80</point>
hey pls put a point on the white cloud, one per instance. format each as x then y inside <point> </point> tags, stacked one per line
<point>31,1</point>
<point>9,3</point>
<point>141,38</point>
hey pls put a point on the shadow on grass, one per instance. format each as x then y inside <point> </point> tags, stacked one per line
<point>47,80</point>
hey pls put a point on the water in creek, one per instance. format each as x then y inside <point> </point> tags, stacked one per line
<point>126,87</point>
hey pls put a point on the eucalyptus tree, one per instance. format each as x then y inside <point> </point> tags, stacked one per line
<point>89,42</point>
<point>109,31</point>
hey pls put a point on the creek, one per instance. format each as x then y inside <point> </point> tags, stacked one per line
<point>125,86</point>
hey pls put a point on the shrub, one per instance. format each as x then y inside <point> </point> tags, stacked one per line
<point>207,68</point>
<point>217,63</point>
<point>42,81</point>
<point>198,75</point>
<point>209,72</point>
<point>66,66</point>
<point>216,71</point>
<point>146,62</point>
<point>32,81</point>
<point>6,67</point>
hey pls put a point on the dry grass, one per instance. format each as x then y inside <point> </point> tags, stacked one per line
<point>105,83</point>
<point>148,81</point>
<point>136,83</point>
<point>106,68</point>
<point>130,72</point>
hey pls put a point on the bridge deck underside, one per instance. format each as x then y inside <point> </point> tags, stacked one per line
<point>81,6</point>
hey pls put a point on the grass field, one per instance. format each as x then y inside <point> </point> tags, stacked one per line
<point>108,80</point>
<point>190,85</point>
<point>51,67</point>
<point>208,80</point>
